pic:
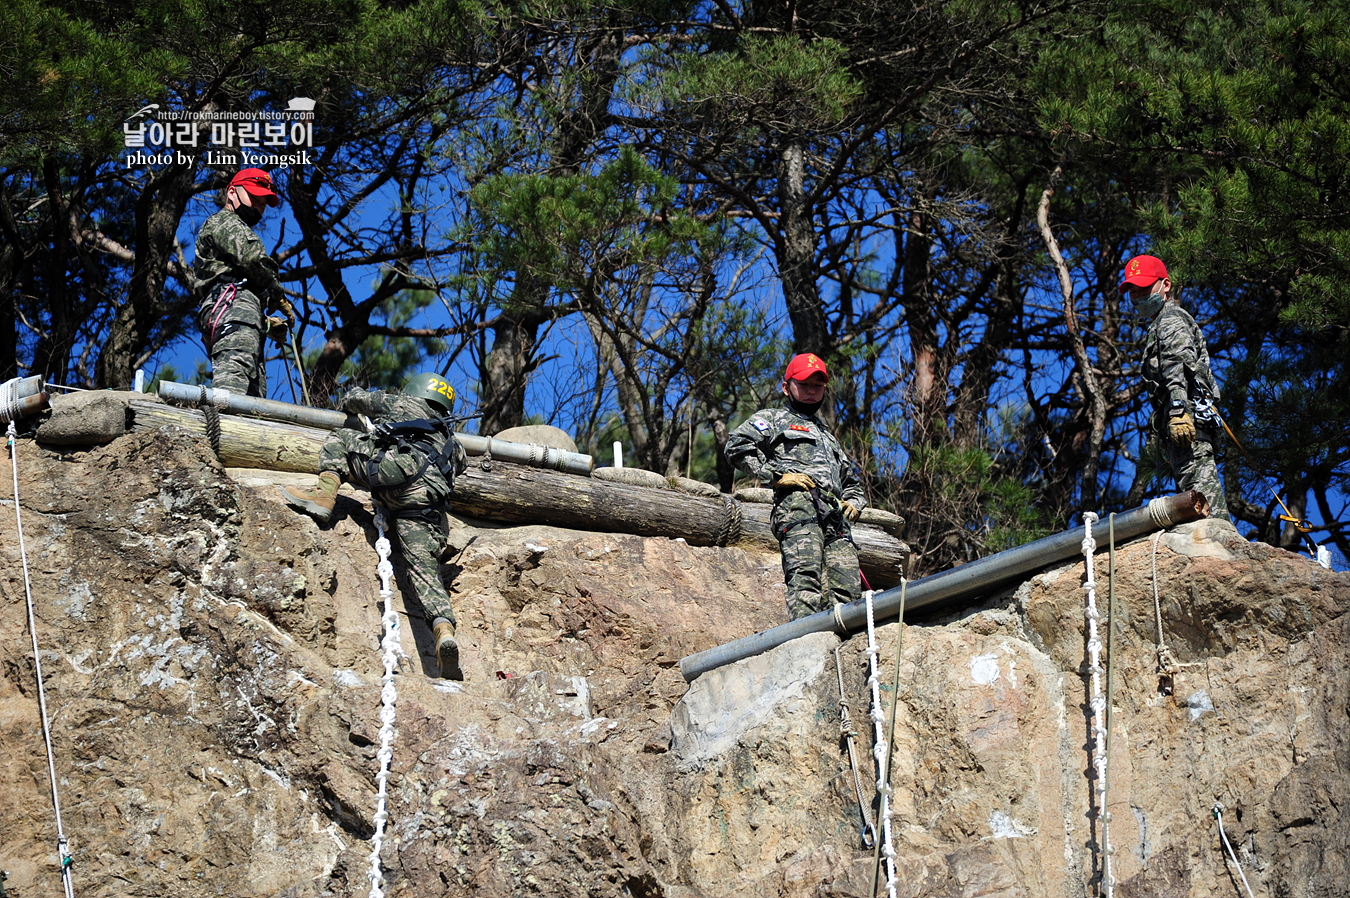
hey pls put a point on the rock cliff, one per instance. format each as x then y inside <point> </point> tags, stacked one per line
<point>212,673</point>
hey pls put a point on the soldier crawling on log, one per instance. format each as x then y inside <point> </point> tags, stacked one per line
<point>817,493</point>
<point>408,461</point>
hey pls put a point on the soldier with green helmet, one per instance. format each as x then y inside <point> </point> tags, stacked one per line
<point>408,460</point>
<point>236,279</point>
<point>1177,374</point>
<point>817,493</point>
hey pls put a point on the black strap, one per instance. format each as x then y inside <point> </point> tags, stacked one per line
<point>415,435</point>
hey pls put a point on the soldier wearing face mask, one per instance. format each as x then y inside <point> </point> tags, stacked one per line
<point>817,494</point>
<point>1179,380</point>
<point>233,272</point>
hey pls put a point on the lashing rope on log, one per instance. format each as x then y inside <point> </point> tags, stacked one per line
<point>62,843</point>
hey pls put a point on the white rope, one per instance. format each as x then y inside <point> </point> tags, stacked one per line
<point>1218,815</point>
<point>62,844</point>
<point>1167,664</point>
<point>9,402</point>
<point>879,750</point>
<point>1157,511</point>
<point>1094,646</point>
<point>392,651</point>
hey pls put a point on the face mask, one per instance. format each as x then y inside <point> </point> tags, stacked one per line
<point>806,408</point>
<point>1149,306</point>
<point>250,215</point>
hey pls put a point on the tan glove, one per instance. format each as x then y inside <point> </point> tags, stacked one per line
<point>794,481</point>
<point>851,511</point>
<point>279,302</point>
<point>1181,428</point>
<point>276,330</point>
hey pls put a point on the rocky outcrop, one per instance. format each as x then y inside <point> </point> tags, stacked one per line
<point>212,671</point>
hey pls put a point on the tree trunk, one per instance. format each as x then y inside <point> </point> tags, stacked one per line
<point>51,358</point>
<point>796,250</point>
<point>928,387</point>
<point>159,208</point>
<point>1086,382</point>
<point>506,367</point>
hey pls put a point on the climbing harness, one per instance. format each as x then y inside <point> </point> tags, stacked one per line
<point>849,733</point>
<point>880,752</point>
<point>416,435</point>
<point>1302,526</point>
<point>1098,702</point>
<point>224,299</point>
<point>392,651</point>
<point>1217,810</point>
<point>62,843</point>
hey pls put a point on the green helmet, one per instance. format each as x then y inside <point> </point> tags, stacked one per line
<point>433,388</point>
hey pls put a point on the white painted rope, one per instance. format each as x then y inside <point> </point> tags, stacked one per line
<point>62,843</point>
<point>392,650</point>
<point>1218,815</point>
<point>9,404</point>
<point>879,751</point>
<point>1100,761</point>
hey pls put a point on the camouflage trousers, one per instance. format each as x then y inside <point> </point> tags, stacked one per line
<point>1194,468</point>
<point>420,527</point>
<point>818,572</point>
<point>235,336</point>
<point>421,536</point>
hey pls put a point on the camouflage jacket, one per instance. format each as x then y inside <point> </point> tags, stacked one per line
<point>779,440</point>
<point>398,462</point>
<point>1176,361</point>
<point>228,251</point>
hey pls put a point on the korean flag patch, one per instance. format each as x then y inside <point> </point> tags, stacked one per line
<point>759,424</point>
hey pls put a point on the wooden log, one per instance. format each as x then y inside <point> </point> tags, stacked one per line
<point>525,495</point>
<point>244,442</point>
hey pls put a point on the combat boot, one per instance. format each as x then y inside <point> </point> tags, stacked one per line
<point>318,500</point>
<point>447,650</point>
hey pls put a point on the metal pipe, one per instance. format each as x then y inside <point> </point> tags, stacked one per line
<point>29,386</point>
<point>21,397</point>
<point>965,583</point>
<point>271,409</point>
<point>527,454</point>
<point>326,419</point>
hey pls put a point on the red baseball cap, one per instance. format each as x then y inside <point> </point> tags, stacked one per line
<point>1143,271</point>
<point>258,183</point>
<point>803,366</point>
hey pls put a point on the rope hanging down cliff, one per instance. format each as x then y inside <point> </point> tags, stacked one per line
<point>880,751</point>
<point>1100,760</point>
<point>62,843</point>
<point>392,651</point>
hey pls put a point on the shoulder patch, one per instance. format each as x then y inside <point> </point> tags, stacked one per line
<point>759,424</point>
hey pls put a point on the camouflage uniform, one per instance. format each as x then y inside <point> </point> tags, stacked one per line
<point>230,257</point>
<point>820,560</point>
<point>416,507</point>
<point>1176,369</point>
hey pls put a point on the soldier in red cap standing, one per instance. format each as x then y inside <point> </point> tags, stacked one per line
<point>1177,374</point>
<point>233,273</point>
<point>817,494</point>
